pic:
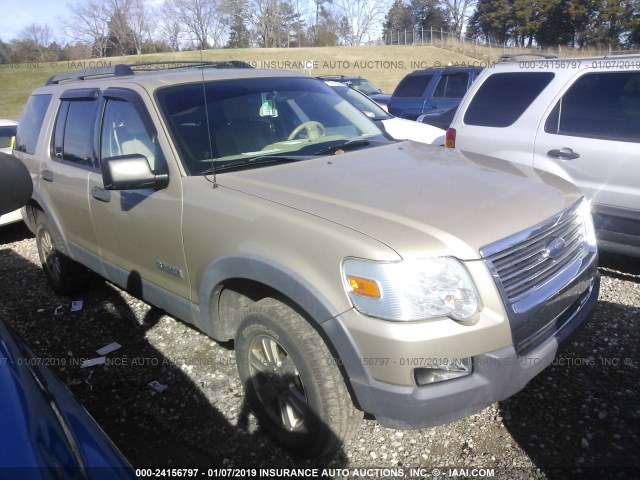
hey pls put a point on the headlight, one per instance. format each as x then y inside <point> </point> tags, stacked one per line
<point>587,222</point>
<point>412,289</point>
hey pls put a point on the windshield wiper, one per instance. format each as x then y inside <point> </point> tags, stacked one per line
<point>349,145</point>
<point>260,160</point>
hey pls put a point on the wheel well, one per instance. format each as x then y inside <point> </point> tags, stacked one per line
<point>236,295</point>
<point>234,298</point>
<point>30,208</point>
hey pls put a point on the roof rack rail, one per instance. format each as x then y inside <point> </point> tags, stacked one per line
<point>515,57</point>
<point>118,70</point>
<point>175,64</point>
<point>125,70</point>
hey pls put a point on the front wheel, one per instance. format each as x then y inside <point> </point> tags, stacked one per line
<point>291,380</point>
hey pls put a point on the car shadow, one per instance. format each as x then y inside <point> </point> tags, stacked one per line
<point>181,426</point>
<point>587,401</point>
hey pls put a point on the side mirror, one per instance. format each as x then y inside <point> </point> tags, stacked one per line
<point>15,183</point>
<point>131,172</point>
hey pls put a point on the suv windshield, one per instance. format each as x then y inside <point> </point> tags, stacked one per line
<point>218,123</point>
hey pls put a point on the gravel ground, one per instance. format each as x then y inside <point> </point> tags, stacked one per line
<point>580,418</point>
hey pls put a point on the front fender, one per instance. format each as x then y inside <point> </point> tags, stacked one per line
<point>318,309</point>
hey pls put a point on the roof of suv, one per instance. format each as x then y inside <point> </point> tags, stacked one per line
<point>160,74</point>
<point>444,69</point>
<point>566,63</point>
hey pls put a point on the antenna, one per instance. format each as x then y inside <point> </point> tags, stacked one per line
<point>208,125</point>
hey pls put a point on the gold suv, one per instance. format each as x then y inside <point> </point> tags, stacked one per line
<point>354,273</point>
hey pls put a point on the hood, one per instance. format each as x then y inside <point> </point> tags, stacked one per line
<point>420,200</point>
<point>403,129</point>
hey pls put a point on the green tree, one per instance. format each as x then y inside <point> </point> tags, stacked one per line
<point>239,34</point>
<point>398,19</point>
<point>492,20</point>
<point>429,14</point>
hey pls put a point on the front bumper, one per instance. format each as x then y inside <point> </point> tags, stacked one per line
<point>497,375</point>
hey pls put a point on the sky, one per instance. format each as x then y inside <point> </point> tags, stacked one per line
<point>17,14</point>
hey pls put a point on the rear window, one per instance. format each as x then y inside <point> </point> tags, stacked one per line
<point>599,105</point>
<point>453,85</point>
<point>31,123</point>
<point>503,97</point>
<point>412,86</point>
<point>73,133</point>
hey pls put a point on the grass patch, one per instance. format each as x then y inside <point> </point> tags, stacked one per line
<point>385,66</point>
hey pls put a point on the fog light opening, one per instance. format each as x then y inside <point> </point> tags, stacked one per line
<point>448,369</point>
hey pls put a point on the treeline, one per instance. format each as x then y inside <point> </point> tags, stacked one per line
<point>575,23</point>
<point>612,24</point>
<point>102,28</point>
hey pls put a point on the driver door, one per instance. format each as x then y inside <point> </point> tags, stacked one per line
<point>139,231</point>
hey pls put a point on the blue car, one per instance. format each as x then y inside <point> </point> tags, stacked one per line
<point>44,431</point>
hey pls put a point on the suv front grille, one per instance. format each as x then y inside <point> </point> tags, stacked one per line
<point>543,275</point>
<point>523,266</point>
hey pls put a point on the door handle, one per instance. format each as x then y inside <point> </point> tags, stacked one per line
<point>563,153</point>
<point>101,194</point>
<point>47,175</point>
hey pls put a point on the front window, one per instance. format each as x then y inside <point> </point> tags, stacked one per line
<point>230,123</point>
<point>124,133</point>
<point>363,85</point>
<point>367,106</point>
<point>603,105</point>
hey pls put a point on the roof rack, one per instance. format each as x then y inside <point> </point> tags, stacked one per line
<point>515,57</point>
<point>172,65</point>
<point>339,76</point>
<point>125,70</point>
<point>119,70</point>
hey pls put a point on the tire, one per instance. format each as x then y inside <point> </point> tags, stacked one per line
<point>291,380</point>
<point>64,275</point>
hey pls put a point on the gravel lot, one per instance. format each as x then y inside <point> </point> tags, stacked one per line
<point>579,419</point>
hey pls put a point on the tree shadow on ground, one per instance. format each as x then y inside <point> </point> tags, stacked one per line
<point>580,417</point>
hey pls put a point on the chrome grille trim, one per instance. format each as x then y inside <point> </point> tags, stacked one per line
<point>544,281</point>
<point>523,263</point>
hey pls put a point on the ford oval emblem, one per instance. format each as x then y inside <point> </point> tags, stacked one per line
<point>555,248</point>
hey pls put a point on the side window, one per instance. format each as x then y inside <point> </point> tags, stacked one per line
<point>599,105</point>
<point>7,136</point>
<point>125,133</point>
<point>73,132</point>
<point>452,85</point>
<point>503,97</point>
<point>31,123</point>
<point>412,86</point>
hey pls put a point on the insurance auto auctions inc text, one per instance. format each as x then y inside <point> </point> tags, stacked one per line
<point>359,64</point>
<point>352,472</point>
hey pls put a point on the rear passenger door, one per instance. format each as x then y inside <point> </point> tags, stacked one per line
<point>591,136</point>
<point>448,92</point>
<point>64,179</point>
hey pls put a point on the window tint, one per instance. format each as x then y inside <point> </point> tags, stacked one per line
<point>503,97</point>
<point>73,133</point>
<point>599,105</point>
<point>31,123</point>
<point>453,85</point>
<point>124,133</point>
<point>412,86</point>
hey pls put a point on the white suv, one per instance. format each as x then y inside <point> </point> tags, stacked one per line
<point>577,118</point>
